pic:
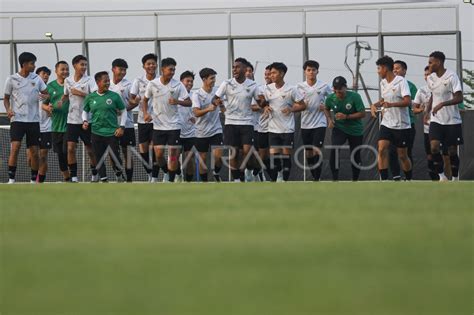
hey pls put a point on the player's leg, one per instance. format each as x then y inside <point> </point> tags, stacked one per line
<point>16,136</point>
<point>338,138</point>
<point>354,143</point>
<point>33,135</point>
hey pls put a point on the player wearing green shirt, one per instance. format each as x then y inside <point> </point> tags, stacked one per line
<point>58,111</point>
<point>348,111</point>
<point>104,107</point>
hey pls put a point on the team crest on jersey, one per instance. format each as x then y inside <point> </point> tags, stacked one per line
<point>54,92</point>
<point>108,101</point>
<point>95,102</point>
<point>33,83</point>
<point>348,106</point>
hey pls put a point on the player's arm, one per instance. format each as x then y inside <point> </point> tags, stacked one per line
<point>457,99</point>
<point>146,115</point>
<point>186,102</point>
<point>133,102</point>
<point>6,103</point>
<point>327,113</point>
<point>405,102</point>
<point>77,92</point>
<point>417,108</point>
<point>85,119</point>
<point>198,112</point>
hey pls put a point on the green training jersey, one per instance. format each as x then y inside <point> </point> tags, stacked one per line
<point>104,110</point>
<point>59,115</point>
<point>413,91</point>
<point>351,104</point>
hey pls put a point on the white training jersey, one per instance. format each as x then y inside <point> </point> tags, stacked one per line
<point>238,101</point>
<point>45,119</point>
<point>138,88</point>
<point>188,127</point>
<point>422,97</point>
<point>165,116</point>
<point>443,89</point>
<point>209,124</point>
<point>24,96</point>
<point>394,92</point>
<point>312,117</point>
<point>262,119</point>
<point>279,99</point>
<point>76,103</point>
<point>123,89</point>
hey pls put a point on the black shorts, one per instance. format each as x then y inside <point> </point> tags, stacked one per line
<point>448,135</point>
<point>145,133</point>
<point>128,138</point>
<point>188,143</point>
<point>238,135</point>
<point>261,140</point>
<point>204,144</point>
<point>46,141</point>
<point>314,137</point>
<point>19,129</point>
<point>59,142</point>
<point>75,131</point>
<point>166,137</point>
<point>280,139</point>
<point>398,137</point>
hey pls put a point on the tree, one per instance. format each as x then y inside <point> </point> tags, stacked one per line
<point>468,79</point>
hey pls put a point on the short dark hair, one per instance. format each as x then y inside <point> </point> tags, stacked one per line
<point>311,64</point>
<point>121,63</point>
<point>427,68</point>
<point>99,75</point>
<point>78,59</point>
<point>62,62</point>
<point>43,69</point>
<point>438,55</point>
<point>26,57</point>
<point>401,63</point>
<point>269,67</point>
<point>206,72</point>
<point>148,57</point>
<point>249,65</point>
<point>280,66</point>
<point>242,60</point>
<point>186,74</point>
<point>168,62</point>
<point>385,61</point>
<point>339,82</point>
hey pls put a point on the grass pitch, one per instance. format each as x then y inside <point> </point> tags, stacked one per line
<point>237,249</point>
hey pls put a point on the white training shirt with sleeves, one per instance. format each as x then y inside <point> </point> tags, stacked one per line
<point>76,103</point>
<point>394,92</point>
<point>165,116</point>
<point>24,96</point>
<point>443,89</point>
<point>209,124</point>
<point>422,97</point>
<point>186,116</point>
<point>279,99</point>
<point>312,117</point>
<point>138,88</point>
<point>238,101</point>
<point>123,89</point>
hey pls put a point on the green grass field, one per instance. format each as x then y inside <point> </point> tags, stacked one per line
<point>237,249</point>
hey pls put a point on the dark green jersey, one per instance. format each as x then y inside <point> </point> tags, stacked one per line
<point>351,104</point>
<point>104,110</point>
<point>59,115</point>
<point>413,91</point>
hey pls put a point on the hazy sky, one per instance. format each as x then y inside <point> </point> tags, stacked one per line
<point>194,55</point>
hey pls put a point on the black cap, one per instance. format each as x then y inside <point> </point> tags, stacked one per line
<point>339,82</point>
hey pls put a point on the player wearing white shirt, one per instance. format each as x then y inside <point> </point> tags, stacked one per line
<point>188,129</point>
<point>445,126</point>
<point>261,136</point>
<point>283,101</point>
<point>395,126</point>
<point>166,93</point>
<point>120,85</point>
<point>76,88</point>
<point>208,124</point>
<point>23,90</point>
<point>145,129</point>
<point>313,118</point>
<point>45,130</point>
<point>238,94</point>
<point>420,105</point>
